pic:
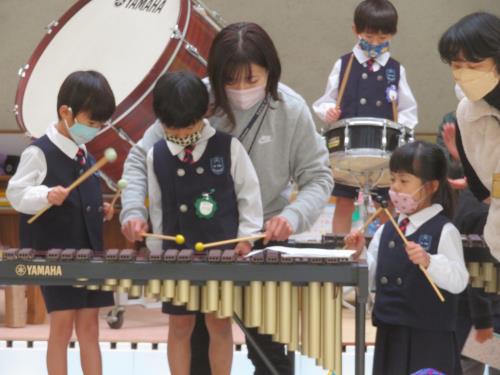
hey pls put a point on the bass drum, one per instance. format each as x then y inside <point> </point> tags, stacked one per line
<point>132,43</point>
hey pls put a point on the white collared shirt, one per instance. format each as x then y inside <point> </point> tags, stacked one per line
<point>447,267</point>
<point>407,106</point>
<point>479,125</point>
<point>25,191</point>
<point>246,186</point>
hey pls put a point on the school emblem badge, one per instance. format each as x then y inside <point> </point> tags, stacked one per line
<point>217,165</point>
<point>425,241</point>
<point>390,75</point>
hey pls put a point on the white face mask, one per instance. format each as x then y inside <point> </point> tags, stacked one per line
<point>476,84</point>
<point>245,99</point>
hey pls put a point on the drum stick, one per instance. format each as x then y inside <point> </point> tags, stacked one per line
<point>109,156</point>
<point>371,218</point>
<point>428,277</point>
<point>395,110</point>
<point>344,81</point>
<point>200,246</point>
<point>122,184</point>
<point>179,238</point>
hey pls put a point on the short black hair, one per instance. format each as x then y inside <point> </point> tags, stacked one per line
<point>376,16</point>
<point>475,36</point>
<point>234,48</point>
<point>428,162</point>
<point>180,99</point>
<point>87,91</point>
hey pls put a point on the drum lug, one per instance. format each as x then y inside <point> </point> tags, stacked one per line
<point>22,70</point>
<point>176,33</point>
<point>347,138</point>
<point>384,137</point>
<point>193,51</point>
<point>213,15</point>
<point>15,110</point>
<point>50,26</point>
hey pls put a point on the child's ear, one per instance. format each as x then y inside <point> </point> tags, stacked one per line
<point>65,112</point>
<point>354,30</point>
<point>433,186</point>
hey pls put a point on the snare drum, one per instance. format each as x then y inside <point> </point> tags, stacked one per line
<point>132,43</point>
<point>360,149</point>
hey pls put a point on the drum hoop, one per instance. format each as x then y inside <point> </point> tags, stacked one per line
<point>366,121</point>
<point>129,102</point>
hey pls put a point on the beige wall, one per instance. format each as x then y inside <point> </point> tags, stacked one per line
<point>309,34</point>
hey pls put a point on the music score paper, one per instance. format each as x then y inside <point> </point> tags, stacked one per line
<point>306,252</point>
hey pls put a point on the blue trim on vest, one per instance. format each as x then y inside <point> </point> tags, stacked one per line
<point>184,190</point>
<point>404,295</point>
<point>78,222</point>
<point>372,89</point>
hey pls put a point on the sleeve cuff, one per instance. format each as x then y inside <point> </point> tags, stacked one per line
<point>292,218</point>
<point>133,213</point>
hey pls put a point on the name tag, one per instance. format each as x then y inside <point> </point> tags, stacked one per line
<point>495,191</point>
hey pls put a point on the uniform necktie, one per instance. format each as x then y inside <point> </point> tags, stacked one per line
<point>369,65</point>
<point>80,157</point>
<point>403,224</point>
<point>188,154</point>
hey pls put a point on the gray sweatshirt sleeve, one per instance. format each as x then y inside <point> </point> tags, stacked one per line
<point>135,172</point>
<point>310,169</point>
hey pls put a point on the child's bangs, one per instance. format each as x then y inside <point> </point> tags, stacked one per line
<point>405,159</point>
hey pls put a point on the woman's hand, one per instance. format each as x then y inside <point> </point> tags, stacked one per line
<point>449,134</point>
<point>133,228</point>
<point>278,229</point>
<point>418,255</point>
<point>458,183</point>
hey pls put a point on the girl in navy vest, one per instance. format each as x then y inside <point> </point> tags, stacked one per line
<point>85,101</point>
<point>202,184</point>
<point>415,329</point>
<point>374,79</point>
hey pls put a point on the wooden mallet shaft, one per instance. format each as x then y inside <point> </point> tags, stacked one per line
<point>89,172</point>
<point>234,240</point>
<point>426,274</point>
<point>164,237</point>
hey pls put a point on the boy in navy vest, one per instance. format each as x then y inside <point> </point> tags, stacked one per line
<point>85,101</point>
<point>201,184</point>
<point>374,81</point>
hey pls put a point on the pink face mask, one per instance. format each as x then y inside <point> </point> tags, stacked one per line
<point>404,202</point>
<point>246,99</point>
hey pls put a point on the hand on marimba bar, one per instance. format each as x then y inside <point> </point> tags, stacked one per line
<point>109,156</point>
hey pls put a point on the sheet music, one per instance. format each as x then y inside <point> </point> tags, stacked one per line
<point>487,352</point>
<point>306,252</point>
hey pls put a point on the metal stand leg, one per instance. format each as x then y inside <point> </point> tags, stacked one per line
<point>360,345</point>
<point>256,346</point>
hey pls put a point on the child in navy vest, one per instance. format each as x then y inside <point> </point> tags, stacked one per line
<point>415,330</point>
<point>85,101</point>
<point>201,184</point>
<point>374,80</point>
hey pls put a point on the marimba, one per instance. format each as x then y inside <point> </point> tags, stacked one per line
<point>297,300</point>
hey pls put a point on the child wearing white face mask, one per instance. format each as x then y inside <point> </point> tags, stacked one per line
<point>372,80</point>
<point>85,101</point>
<point>472,48</point>
<point>415,329</point>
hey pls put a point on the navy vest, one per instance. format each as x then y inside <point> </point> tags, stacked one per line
<point>182,183</point>
<point>365,94</point>
<point>78,222</point>
<point>404,296</point>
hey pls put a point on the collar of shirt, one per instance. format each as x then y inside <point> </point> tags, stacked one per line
<point>206,133</point>
<point>66,145</point>
<point>362,58</point>
<point>420,217</point>
<point>475,110</point>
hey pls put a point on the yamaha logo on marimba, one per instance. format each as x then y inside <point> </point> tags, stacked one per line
<point>38,270</point>
<point>20,270</point>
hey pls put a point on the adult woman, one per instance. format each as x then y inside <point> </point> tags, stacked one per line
<point>472,48</point>
<point>276,128</point>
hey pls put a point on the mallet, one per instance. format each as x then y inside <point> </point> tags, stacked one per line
<point>178,239</point>
<point>200,246</point>
<point>122,184</point>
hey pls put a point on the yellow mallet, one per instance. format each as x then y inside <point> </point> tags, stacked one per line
<point>109,157</point>
<point>178,239</point>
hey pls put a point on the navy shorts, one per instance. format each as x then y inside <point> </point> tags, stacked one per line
<point>346,191</point>
<point>58,298</point>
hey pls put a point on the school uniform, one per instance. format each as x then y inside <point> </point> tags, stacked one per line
<point>221,175</point>
<point>51,161</point>
<point>366,95</point>
<point>415,329</point>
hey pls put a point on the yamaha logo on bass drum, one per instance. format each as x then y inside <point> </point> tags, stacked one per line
<point>151,6</point>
